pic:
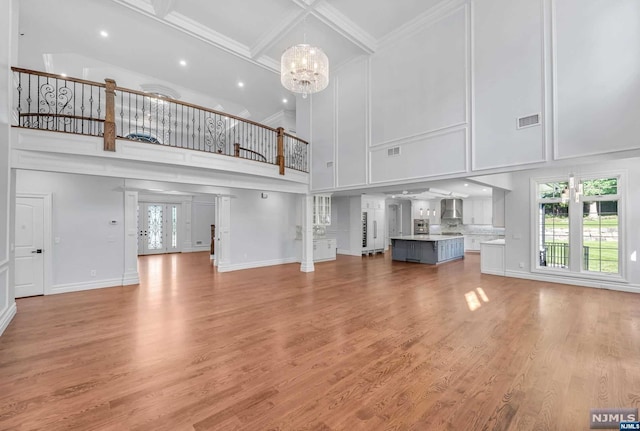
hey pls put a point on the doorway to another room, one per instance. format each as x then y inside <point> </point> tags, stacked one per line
<point>158,228</point>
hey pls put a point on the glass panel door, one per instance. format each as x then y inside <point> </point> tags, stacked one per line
<point>158,228</point>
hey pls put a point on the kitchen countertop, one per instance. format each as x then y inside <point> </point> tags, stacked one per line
<point>427,237</point>
<point>494,242</point>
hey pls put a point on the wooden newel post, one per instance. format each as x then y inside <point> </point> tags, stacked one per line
<point>236,150</point>
<point>281,149</point>
<point>110,116</point>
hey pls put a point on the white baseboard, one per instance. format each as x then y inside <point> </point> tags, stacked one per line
<point>196,249</point>
<point>130,278</point>
<point>84,285</point>
<point>349,252</point>
<point>598,284</point>
<point>7,316</point>
<point>492,272</point>
<point>307,267</point>
<point>260,264</point>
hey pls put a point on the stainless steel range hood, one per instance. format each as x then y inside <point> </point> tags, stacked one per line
<point>451,210</point>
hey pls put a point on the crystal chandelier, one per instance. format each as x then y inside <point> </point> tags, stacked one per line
<point>304,69</point>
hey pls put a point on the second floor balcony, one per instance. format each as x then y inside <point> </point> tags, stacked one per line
<point>154,128</point>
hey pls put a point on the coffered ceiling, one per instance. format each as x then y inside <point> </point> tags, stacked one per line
<point>221,42</point>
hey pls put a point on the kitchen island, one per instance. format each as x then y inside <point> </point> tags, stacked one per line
<point>430,249</point>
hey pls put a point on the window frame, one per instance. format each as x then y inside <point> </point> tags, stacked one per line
<point>576,240</point>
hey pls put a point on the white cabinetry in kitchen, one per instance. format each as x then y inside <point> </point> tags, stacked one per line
<point>324,249</point>
<point>477,211</point>
<point>373,224</point>
<point>322,210</point>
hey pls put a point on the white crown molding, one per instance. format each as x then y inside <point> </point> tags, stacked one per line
<point>423,20</point>
<point>343,25</point>
<point>199,31</point>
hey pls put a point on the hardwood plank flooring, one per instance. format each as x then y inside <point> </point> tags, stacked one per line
<point>360,344</point>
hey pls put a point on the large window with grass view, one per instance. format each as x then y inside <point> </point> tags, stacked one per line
<point>578,225</point>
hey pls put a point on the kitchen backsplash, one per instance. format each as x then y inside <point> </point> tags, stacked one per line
<point>466,229</point>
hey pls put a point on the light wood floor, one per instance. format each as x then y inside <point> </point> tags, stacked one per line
<point>361,344</point>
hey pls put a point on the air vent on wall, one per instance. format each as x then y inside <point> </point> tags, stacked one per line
<point>528,121</point>
<point>395,151</point>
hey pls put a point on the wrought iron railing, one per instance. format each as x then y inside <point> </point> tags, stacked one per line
<point>52,102</point>
<point>296,153</point>
<point>556,254</point>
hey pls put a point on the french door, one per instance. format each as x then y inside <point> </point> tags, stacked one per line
<point>158,228</point>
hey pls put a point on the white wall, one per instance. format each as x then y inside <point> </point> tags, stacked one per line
<point>262,231</point>
<point>203,215</point>
<point>448,90</point>
<point>8,51</point>
<point>84,240</point>
<point>508,78</point>
<point>323,138</point>
<point>519,220</point>
<point>598,76</point>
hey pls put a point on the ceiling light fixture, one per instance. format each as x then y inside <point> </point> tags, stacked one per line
<point>104,33</point>
<point>183,62</point>
<point>304,69</point>
<point>284,100</point>
<point>240,84</point>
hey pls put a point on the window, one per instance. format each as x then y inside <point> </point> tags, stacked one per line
<point>578,225</point>
<point>600,226</point>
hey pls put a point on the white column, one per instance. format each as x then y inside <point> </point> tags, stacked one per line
<point>307,234</point>
<point>130,275</point>
<point>223,248</point>
<point>187,240</point>
<point>8,57</point>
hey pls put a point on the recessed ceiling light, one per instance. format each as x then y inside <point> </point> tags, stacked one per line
<point>466,185</point>
<point>284,100</point>
<point>183,63</point>
<point>104,33</point>
<point>240,84</point>
<point>484,190</point>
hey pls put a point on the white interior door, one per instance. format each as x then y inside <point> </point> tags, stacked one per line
<point>158,228</point>
<point>29,246</point>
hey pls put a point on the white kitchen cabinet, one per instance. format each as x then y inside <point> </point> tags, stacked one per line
<point>373,224</point>
<point>472,241</point>
<point>492,257</point>
<point>324,249</point>
<point>322,210</point>
<point>477,211</point>
<point>373,230</point>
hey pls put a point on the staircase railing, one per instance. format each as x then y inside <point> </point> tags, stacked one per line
<point>53,102</point>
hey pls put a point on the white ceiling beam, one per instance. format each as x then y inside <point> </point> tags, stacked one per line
<point>202,32</point>
<point>275,33</point>
<point>162,7</point>
<point>343,25</point>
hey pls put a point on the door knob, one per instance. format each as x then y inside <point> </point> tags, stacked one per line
<point>36,251</point>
